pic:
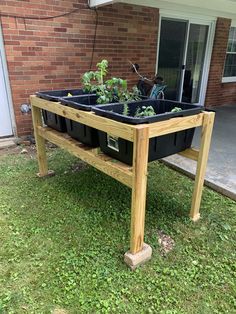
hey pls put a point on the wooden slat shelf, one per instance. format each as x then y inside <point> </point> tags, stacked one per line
<point>134,176</point>
<point>106,164</point>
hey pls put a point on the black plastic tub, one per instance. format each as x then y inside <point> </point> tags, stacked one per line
<point>159,147</point>
<point>51,119</point>
<point>83,102</point>
<point>79,131</point>
<point>55,95</point>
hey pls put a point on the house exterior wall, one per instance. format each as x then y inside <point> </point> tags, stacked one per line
<point>219,93</point>
<point>52,54</point>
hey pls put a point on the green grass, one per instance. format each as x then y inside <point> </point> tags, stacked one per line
<point>62,241</point>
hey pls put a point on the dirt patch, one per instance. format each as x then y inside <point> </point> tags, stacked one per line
<point>166,243</point>
<point>79,166</point>
<point>27,150</point>
<point>19,149</point>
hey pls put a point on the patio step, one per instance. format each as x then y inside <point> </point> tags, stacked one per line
<point>7,142</point>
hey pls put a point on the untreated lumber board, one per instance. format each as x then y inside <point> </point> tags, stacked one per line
<point>190,153</point>
<point>139,186</point>
<point>86,117</point>
<point>174,125</point>
<point>106,164</point>
<point>40,142</point>
<point>207,127</point>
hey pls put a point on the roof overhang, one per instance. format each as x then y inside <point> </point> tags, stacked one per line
<point>216,8</point>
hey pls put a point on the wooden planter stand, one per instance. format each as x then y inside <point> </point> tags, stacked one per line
<point>134,176</point>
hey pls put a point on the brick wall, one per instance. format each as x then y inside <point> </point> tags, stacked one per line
<point>52,54</point>
<point>219,93</point>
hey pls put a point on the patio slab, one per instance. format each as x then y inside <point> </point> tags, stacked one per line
<point>7,143</point>
<point>221,168</point>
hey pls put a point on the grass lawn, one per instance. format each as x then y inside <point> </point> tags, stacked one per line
<point>62,241</point>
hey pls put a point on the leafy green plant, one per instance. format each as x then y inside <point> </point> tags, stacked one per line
<point>92,79</point>
<point>145,111</point>
<point>111,90</point>
<point>114,89</point>
<point>102,69</point>
<point>176,109</point>
<point>125,109</point>
<point>129,96</point>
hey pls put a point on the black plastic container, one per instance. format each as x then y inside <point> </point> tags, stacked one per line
<point>55,95</point>
<point>54,121</point>
<point>84,102</point>
<point>79,131</point>
<point>160,146</point>
<point>51,119</point>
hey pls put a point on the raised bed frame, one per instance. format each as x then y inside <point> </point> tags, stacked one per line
<point>134,176</point>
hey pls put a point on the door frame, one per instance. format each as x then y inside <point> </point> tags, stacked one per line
<point>195,19</point>
<point>7,84</point>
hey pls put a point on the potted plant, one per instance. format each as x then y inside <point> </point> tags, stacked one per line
<point>101,92</point>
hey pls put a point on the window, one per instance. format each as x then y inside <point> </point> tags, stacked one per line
<point>230,61</point>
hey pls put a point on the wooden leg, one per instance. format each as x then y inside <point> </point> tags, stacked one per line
<point>139,251</point>
<point>40,144</point>
<point>208,121</point>
<point>140,162</point>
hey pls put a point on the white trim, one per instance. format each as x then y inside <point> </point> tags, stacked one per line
<point>229,79</point>
<point>216,8</point>
<point>207,61</point>
<point>158,42</point>
<point>193,17</point>
<point>98,3</point>
<point>7,82</point>
<point>233,23</point>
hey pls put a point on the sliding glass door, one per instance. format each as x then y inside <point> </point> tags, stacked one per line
<point>171,50</point>
<point>181,59</point>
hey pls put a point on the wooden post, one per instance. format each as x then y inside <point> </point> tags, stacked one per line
<point>140,252</point>
<point>40,143</point>
<point>207,126</point>
<point>140,162</point>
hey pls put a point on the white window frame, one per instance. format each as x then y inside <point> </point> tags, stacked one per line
<point>229,79</point>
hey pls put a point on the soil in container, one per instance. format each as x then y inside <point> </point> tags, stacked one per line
<point>160,146</point>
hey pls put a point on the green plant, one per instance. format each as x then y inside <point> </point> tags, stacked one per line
<point>176,109</point>
<point>125,109</point>
<point>145,111</point>
<point>114,89</point>
<point>92,79</point>
<point>111,90</point>
<point>129,96</point>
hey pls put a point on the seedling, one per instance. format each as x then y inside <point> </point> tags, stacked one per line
<point>176,109</point>
<point>145,111</point>
<point>126,97</point>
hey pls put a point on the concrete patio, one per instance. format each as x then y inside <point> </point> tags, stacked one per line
<point>221,169</point>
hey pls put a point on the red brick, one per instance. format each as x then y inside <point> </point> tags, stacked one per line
<point>52,54</point>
